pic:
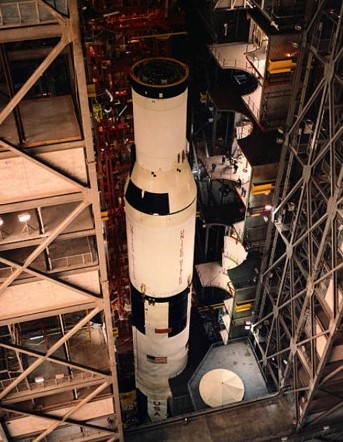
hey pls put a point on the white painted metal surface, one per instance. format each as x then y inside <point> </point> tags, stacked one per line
<point>221,387</point>
<point>161,244</point>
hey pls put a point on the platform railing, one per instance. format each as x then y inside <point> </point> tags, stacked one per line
<point>29,12</point>
<point>252,106</point>
<point>41,383</point>
<point>81,259</point>
<point>231,63</point>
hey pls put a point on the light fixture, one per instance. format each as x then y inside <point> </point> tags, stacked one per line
<point>295,44</point>
<point>24,217</point>
<point>265,217</point>
<point>268,207</point>
<point>39,380</point>
<point>36,337</point>
<point>109,14</point>
<point>275,25</point>
<point>247,327</point>
<point>3,232</point>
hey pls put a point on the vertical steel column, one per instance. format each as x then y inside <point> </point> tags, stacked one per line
<point>94,196</point>
<point>299,296</point>
<point>11,91</point>
<point>67,23</point>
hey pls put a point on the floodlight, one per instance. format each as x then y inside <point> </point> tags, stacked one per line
<point>24,217</point>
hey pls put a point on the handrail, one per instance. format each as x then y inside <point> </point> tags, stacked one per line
<point>53,382</point>
<point>233,63</point>
<point>250,103</point>
<point>81,258</point>
<point>24,12</point>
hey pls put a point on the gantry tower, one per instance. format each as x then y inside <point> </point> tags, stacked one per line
<point>58,363</point>
<point>298,325</point>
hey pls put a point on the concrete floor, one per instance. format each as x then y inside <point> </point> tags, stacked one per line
<point>238,357</point>
<point>266,420</point>
<point>44,118</point>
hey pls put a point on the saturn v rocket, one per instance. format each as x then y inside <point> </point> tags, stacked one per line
<point>160,205</point>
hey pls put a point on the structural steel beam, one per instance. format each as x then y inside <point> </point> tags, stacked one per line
<point>49,417</point>
<point>86,195</point>
<point>43,245</point>
<point>49,390</point>
<point>33,78</point>
<point>51,30</point>
<point>84,401</point>
<point>87,130</point>
<point>22,153</point>
<point>40,275</point>
<point>301,263</point>
<point>48,313</point>
<point>55,359</point>
<point>41,202</point>
<point>49,352</point>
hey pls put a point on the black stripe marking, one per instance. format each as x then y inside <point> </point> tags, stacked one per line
<point>142,404</point>
<point>177,316</point>
<point>159,77</point>
<point>147,202</point>
<point>177,319</point>
<point>137,310</point>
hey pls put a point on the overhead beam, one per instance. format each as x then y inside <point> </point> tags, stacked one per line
<point>35,242</point>
<point>52,311</point>
<point>56,360</point>
<point>84,401</point>
<point>40,163</point>
<point>33,78</point>
<point>41,202</point>
<point>40,275</point>
<point>47,30</point>
<point>44,244</point>
<point>49,352</point>
<point>49,417</point>
<point>49,390</point>
<point>45,148</point>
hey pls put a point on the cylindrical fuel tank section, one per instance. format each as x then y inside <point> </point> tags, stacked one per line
<point>160,205</point>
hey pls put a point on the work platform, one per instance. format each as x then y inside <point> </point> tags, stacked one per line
<point>45,120</point>
<point>238,356</point>
<point>267,419</point>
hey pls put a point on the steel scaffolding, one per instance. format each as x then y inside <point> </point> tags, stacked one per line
<point>74,302</point>
<point>299,307</point>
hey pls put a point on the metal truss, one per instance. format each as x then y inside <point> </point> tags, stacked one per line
<point>299,304</point>
<point>64,25</point>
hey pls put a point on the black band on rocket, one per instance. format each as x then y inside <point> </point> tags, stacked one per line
<point>177,313</point>
<point>159,77</point>
<point>147,202</point>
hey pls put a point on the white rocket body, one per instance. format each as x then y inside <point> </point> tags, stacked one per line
<point>160,204</point>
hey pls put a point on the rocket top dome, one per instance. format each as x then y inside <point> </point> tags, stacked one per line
<point>159,77</point>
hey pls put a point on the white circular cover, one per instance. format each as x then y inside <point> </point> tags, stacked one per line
<point>220,387</point>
